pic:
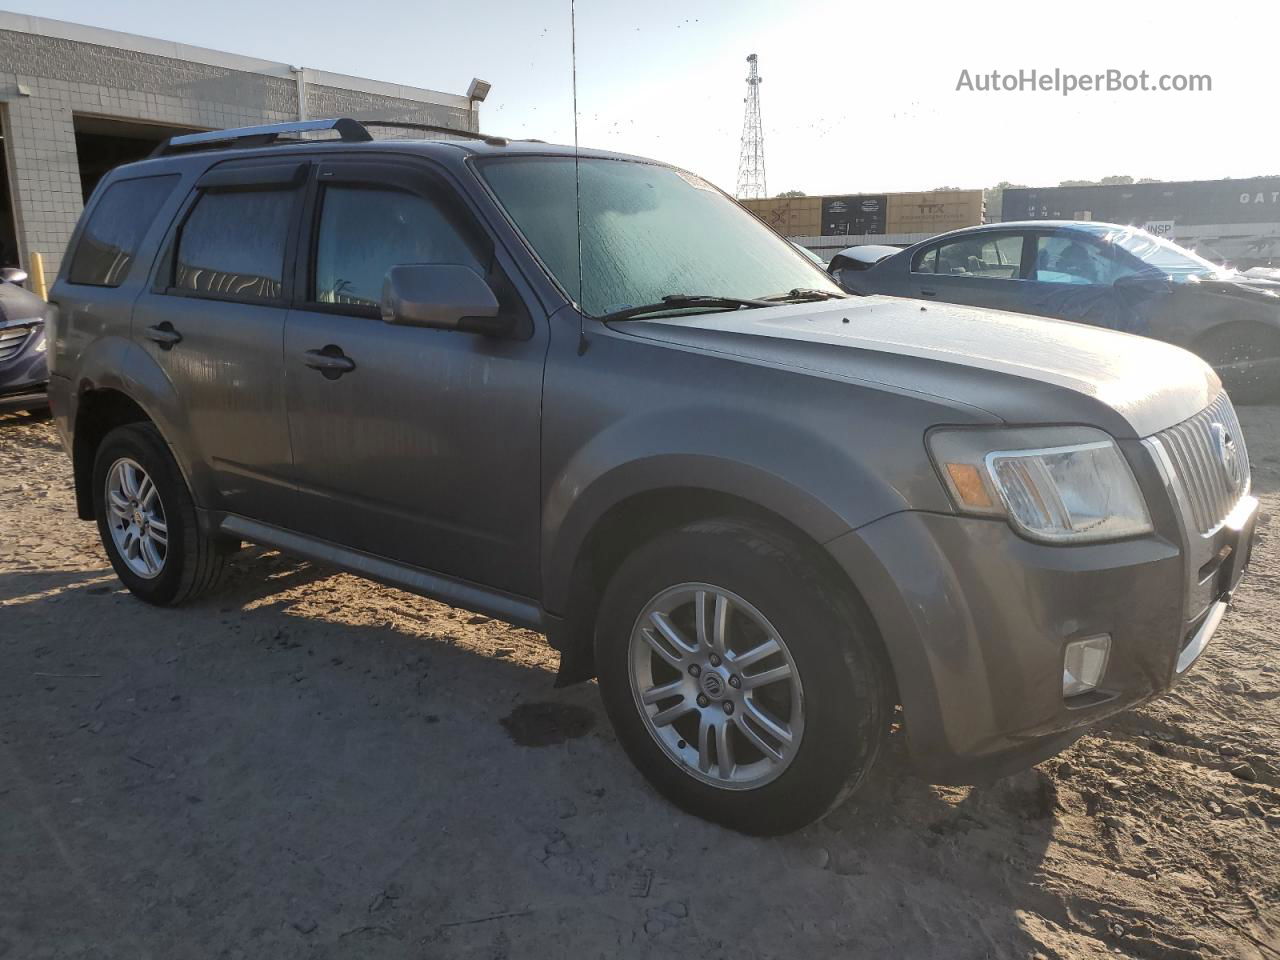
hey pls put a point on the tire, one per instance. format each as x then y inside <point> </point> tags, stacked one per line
<point>1230,350</point>
<point>771,590</point>
<point>191,562</point>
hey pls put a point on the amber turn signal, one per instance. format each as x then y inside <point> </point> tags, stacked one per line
<point>968,484</point>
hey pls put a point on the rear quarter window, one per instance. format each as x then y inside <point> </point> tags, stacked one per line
<point>110,239</point>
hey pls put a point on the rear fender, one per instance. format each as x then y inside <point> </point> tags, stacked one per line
<point>114,363</point>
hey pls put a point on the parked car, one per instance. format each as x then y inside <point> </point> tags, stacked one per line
<point>761,512</point>
<point>23,372</point>
<point>1102,274</point>
<point>862,257</point>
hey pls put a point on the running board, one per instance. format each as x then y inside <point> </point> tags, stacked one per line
<point>457,593</point>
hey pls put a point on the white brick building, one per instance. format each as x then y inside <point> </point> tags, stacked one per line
<point>76,100</point>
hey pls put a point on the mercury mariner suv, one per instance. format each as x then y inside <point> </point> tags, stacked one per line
<point>590,395</point>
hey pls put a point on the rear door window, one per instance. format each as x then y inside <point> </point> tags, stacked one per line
<point>110,239</point>
<point>232,246</point>
<point>1066,259</point>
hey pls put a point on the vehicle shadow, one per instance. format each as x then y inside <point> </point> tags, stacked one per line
<point>308,765</point>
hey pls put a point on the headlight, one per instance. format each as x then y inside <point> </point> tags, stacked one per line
<point>1056,484</point>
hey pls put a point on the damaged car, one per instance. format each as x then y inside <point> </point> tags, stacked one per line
<point>1103,274</point>
<point>23,371</point>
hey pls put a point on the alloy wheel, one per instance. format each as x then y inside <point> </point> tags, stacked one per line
<point>717,686</point>
<point>136,518</point>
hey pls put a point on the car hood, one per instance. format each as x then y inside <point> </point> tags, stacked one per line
<point>19,305</point>
<point>1017,368</point>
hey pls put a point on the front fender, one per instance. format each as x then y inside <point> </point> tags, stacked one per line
<point>809,481</point>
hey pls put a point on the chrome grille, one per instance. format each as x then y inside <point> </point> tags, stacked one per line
<point>11,341</point>
<point>1209,458</point>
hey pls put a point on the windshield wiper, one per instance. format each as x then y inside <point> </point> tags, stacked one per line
<point>678,301</point>
<point>802,294</point>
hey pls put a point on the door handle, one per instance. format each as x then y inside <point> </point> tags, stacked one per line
<point>164,335</point>
<point>330,361</point>
<point>928,293</point>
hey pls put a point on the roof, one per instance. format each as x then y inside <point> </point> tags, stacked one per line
<point>1092,226</point>
<point>271,137</point>
<point>1086,226</point>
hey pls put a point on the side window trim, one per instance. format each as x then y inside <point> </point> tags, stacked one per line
<point>246,177</point>
<point>1027,269</point>
<point>244,180</point>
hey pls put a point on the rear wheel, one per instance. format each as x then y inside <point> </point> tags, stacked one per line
<point>737,679</point>
<point>147,519</point>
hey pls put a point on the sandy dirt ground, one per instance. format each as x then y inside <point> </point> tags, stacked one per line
<point>308,765</point>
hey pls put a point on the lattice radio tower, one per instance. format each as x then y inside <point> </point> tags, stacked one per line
<point>751,185</point>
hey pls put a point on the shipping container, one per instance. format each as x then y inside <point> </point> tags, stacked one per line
<point>874,214</point>
<point>934,212</point>
<point>1164,206</point>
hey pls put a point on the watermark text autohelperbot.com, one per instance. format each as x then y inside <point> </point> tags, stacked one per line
<point>1065,82</point>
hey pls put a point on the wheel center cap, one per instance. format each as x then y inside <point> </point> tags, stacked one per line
<point>712,684</point>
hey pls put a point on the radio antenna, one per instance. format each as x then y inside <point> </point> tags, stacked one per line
<point>577,179</point>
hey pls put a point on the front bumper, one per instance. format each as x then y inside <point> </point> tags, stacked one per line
<point>976,621</point>
<point>27,399</point>
<point>23,368</point>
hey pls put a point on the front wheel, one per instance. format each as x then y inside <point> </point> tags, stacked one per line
<point>739,681</point>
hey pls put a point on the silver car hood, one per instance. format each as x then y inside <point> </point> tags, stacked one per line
<point>1017,368</point>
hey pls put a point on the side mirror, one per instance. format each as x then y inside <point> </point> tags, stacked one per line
<point>442,296</point>
<point>13,274</point>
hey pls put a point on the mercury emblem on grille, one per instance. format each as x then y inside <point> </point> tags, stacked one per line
<point>1226,446</point>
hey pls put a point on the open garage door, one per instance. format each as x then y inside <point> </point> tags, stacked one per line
<point>8,228</point>
<point>104,142</point>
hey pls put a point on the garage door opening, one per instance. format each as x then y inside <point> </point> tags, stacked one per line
<point>8,229</point>
<point>103,143</point>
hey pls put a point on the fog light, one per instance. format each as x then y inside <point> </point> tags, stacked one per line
<point>1085,663</point>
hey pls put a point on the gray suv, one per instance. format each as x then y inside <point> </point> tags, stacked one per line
<point>590,395</point>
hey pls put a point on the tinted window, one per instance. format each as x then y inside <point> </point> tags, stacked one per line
<point>232,244</point>
<point>119,221</point>
<point>1076,260</point>
<point>986,256</point>
<point>366,231</point>
<point>926,261</point>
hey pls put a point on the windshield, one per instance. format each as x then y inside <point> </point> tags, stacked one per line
<point>648,231</point>
<point>1165,256</point>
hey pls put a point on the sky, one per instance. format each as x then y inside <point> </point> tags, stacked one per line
<point>856,97</point>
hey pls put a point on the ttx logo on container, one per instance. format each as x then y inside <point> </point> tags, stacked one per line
<point>1067,83</point>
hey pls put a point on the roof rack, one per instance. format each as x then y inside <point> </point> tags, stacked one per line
<point>433,128</point>
<point>349,131</point>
